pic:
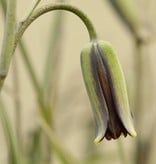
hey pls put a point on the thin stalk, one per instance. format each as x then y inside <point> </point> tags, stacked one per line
<point>29,65</point>
<point>16,92</point>
<point>139,155</point>
<point>17,102</point>
<point>8,40</point>
<point>138,81</point>
<point>143,146</point>
<point>61,152</point>
<point>34,80</point>
<point>15,154</point>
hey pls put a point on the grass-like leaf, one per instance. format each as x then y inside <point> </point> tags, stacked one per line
<point>15,155</point>
<point>62,154</point>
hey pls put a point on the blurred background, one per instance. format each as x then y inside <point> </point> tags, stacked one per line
<point>58,37</point>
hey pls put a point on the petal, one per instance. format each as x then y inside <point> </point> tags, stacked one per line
<point>115,126</point>
<point>118,86</point>
<point>88,65</point>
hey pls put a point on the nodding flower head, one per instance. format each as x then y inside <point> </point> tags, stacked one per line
<point>107,92</point>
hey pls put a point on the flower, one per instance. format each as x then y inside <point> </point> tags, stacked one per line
<point>106,88</point>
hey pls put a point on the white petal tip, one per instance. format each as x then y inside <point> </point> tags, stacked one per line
<point>98,139</point>
<point>134,134</point>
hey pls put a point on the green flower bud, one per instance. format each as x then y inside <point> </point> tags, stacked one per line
<point>107,92</point>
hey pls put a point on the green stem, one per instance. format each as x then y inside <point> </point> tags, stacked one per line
<point>47,8</point>
<point>8,40</point>
<point>59,150</point>
<point>29,65</point>
<point>138,105</point>
<point>17,102</point>
<point>34,80</point>
<point>14,152</point>
<point>138,81</point>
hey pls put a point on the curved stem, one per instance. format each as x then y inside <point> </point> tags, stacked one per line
<point>59,6</point>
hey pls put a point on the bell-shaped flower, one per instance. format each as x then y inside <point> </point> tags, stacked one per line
<point>106,87</point>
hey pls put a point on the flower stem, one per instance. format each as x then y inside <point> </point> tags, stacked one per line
<point>34,80</point>
<point>58,6</point>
